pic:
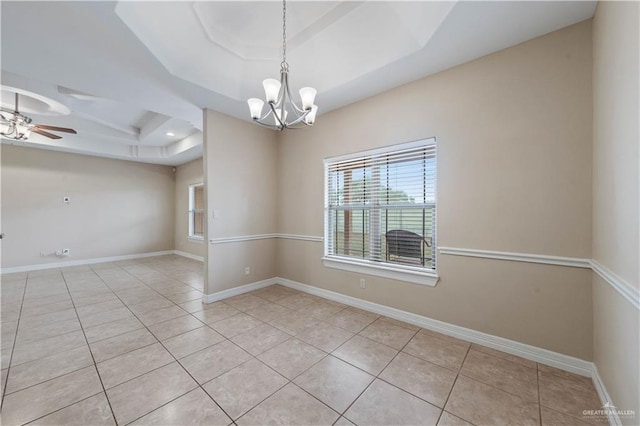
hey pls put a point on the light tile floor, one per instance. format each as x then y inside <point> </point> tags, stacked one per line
<point>131,343</point>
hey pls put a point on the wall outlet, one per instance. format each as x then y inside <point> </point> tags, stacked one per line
<point>247,271</point>
<point>63,252</point>
<point>363,283</point>
<point>42,254</point>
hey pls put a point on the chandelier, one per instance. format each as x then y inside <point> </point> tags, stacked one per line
<point>278,96</point>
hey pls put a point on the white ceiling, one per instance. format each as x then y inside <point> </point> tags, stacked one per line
<point>132,71</point>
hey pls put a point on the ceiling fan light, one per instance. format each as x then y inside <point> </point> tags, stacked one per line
<point>255,107</point>
<point>24,132</point>
<point>6,129</point>
<point>307,95</point>
<point>311,117</point>
<point>271,89</point>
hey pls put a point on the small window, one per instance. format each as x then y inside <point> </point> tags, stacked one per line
<point>196,211</point>
<point>380,212</point>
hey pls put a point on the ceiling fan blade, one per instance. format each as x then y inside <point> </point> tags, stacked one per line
<point>47,134</point>
<point>56,129</point>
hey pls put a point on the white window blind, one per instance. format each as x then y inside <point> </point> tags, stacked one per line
<point>380,205</point>
<point>196,211</point>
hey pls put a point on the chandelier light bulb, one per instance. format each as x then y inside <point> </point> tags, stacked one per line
<point>271,89</point>
<point>307,95</point>
<point>255,107</point>
<point>311,117</point>
<point>280,117</point>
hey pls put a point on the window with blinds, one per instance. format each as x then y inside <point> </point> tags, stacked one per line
<point>380,206</point>
<point>196,211</point>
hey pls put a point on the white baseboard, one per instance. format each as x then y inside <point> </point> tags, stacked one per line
<point>80,262</point>
<point>613,417</point>
<point>225,294</point>
<point>188,255</point>
<point>543,356</point>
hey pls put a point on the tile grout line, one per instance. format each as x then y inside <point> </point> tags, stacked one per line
<point>158,341</point>
<point>454,384</point>
<point>62,375</point>
<point>538,388</point>
<point>146,327</point>
<point>497,388</point>
<point>458,372</point>
<point>381,371</point>
<point>15,340</point>
<point>289,381</point>
<point>175,360</point>
<point>95,365</point>
<point>290,336</point>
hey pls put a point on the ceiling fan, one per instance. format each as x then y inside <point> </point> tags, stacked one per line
<point>17,126</point>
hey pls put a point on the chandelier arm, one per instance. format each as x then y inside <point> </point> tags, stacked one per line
<point>291,99</point>
<point>288,92</point>
<point>299,120</point>
<point>275,114</point>
<point>270,126</point>
<point>298,127</point>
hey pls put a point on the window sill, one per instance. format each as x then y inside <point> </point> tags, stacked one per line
<point>400,273</point>
<point>196,239</point>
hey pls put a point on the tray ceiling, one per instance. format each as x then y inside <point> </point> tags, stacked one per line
<point>132,71</point>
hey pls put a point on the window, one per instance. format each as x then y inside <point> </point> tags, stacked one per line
<point>380,212</point>
<point>196,212</point>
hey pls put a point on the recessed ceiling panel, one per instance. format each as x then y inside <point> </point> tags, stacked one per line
<point>253,31</point>
<point>230,47</point>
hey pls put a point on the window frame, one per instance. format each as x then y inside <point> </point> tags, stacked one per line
<point>191,215</point>
<point>411,274</point>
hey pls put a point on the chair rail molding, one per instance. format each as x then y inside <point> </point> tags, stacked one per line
<point>241,238</point>
<point>626,290</point>
<point>574,262</point>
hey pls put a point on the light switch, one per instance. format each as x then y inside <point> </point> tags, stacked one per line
<point>216,214</point>
<point>66,200</point>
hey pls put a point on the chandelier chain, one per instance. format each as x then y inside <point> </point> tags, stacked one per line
<point>284,64</point>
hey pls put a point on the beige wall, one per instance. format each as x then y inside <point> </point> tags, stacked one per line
<point>187,174</point>
<point>616,135</point>
<point>117,207</point>
<point>513,131</point>
<point>241,185</point>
